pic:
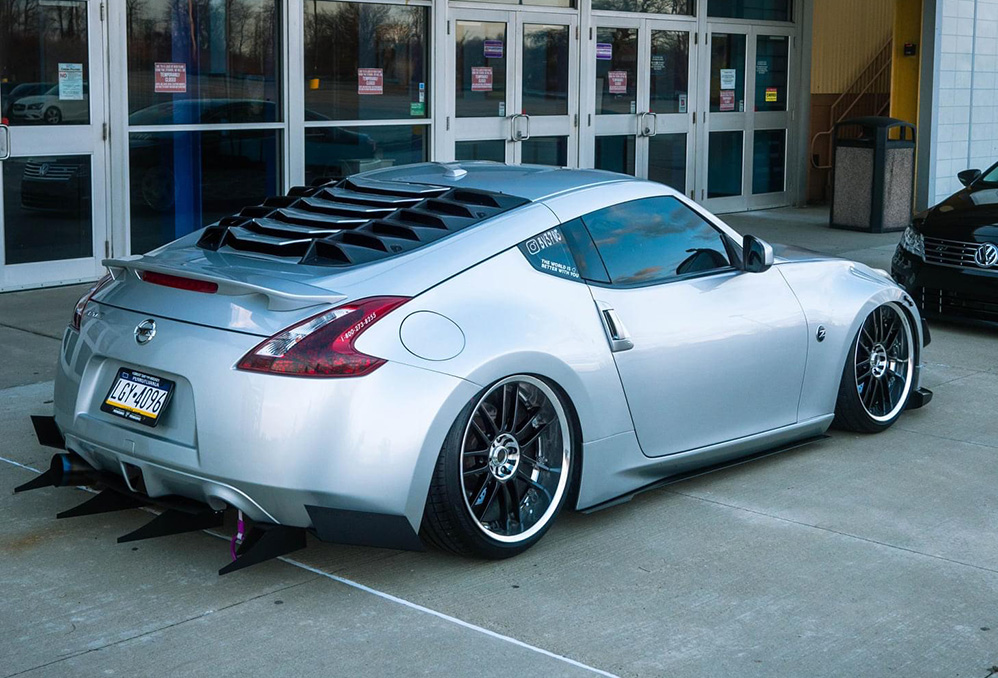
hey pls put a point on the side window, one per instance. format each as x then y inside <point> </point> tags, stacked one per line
<point>655,239</point>
<point>566,251</point>
<point>548,252</point>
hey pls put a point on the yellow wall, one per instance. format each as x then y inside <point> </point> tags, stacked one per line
<point>847,35</point>
<point>904,72</point>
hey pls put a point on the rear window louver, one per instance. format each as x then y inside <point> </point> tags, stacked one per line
<point>354,221</point>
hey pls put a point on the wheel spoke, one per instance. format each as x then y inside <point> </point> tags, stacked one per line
<point>536,434</point>
<point>536,485</point>
<point>490,429</point>
<point>477,430</point>
<point>863,370</point>
<point>537,464</point>
<point>506,411</point>
<point>530,414</point>
<point>865,337</point>
<point>475,470</point>
<point>485,496</point>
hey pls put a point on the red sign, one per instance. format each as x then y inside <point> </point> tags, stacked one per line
<point>171,78</point>
<point>481,78</point>
<point>727,99</point>
<point>618,82</point>
<point>370,81</point>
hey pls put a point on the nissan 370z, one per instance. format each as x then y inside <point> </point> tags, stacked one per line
<point>451,354</point>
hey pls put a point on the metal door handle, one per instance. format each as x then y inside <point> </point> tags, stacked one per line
<point>4,142</point>
<point>616,333</point>
<point>646,128</point>
<point>517,134</point>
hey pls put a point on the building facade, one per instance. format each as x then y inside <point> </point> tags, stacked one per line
<point>129,123</point>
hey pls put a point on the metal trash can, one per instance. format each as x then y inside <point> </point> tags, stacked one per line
<point>873,175</point>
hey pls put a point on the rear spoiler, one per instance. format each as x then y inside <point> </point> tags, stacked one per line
<point>281,294</point>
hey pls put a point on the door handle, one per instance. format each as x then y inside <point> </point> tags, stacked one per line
<point>616,333</point>
<point>4,142</point>
<point>645,128</point>
<point>516,133</point>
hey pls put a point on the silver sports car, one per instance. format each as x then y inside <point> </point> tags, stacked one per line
<point>452,353</point>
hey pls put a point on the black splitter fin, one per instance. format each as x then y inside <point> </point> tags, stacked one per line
<point>265,542</point>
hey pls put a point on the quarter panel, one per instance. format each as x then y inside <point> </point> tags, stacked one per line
<point>368,443</point>
<point>517,320</point>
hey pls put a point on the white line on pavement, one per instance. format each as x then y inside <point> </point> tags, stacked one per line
<point>402,601</point>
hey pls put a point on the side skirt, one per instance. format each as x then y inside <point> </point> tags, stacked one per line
<point>669,480</point>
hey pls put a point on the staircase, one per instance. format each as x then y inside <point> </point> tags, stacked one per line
<point>869,94</point>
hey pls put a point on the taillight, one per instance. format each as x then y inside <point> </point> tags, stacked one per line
<point>323,345</point>
<point>85,299</point>
<point>176,282</point>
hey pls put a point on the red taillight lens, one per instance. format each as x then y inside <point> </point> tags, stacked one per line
<point>179,283</point>
<point>323,345</point>
<point>85,299</point>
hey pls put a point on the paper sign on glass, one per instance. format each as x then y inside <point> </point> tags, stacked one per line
<point>604,51</point>
<point>683,102</point>
<point>170,78</point>
<point>370,81</point>
<point>727,100</point>
<point>70,82</point>
<point>771,94</point>
<point>493,49</point>
<point>618,82</point>
<point>728,77</point>
<point>481,78</point>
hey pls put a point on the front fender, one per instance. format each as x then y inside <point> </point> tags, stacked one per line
<point>838,295</point>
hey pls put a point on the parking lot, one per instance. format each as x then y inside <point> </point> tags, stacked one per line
<point>853,556</point>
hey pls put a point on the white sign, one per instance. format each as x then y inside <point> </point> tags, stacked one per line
<point>71,82</point>
<point>728,77</point>
<point>682,103</point>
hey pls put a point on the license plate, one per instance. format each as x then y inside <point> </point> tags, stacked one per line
<point>137,396</point>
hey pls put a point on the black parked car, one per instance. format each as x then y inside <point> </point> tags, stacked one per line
<point>948,258</point>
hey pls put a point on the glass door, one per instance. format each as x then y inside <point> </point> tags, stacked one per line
<point>618,95</point>
<point>672,98</point>
<point>515,78</point>
<point>53,197</point>
<point>746,117</point>
<point>645,99</point>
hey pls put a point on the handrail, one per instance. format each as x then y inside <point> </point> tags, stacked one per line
<point>871,75</point>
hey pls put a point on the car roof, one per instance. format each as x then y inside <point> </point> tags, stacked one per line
<point>531,182</point>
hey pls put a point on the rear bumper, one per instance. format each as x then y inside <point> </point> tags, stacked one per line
<point>948,291</point>
<point>348,458</point>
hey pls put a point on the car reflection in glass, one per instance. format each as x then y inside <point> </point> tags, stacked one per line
<point>220,156</point>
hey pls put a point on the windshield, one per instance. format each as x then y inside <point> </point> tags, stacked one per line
<point>990,176</point>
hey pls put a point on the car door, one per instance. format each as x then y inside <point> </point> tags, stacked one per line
<point>706,352</point>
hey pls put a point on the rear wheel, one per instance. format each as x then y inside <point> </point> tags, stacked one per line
<point>878,374</point>
<point>504,471</point>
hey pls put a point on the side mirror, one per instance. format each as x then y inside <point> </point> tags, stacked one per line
<point>757,254</point>
<point>969,176</point>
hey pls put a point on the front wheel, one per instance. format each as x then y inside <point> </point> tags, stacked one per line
<point>878,374</point>
<point>504,471</point>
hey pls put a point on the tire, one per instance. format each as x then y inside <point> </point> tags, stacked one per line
<point>879,371</point>
<point>504,472</point>
<point>52,115</point>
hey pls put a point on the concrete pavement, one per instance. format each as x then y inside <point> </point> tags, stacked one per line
<point>855,556</point>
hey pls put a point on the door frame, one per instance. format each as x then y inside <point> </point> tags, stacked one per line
<point>748,121</point>
<point>70,140</point>
<point>503,128</point>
